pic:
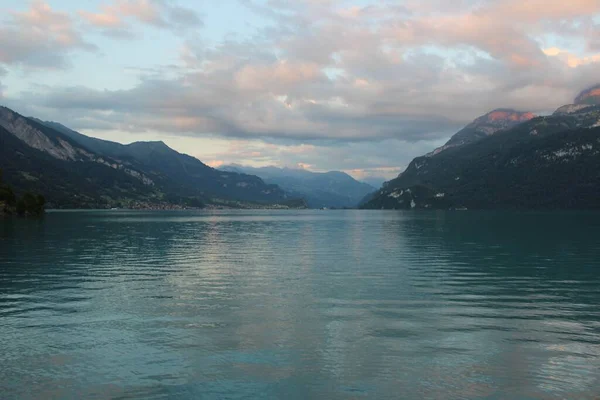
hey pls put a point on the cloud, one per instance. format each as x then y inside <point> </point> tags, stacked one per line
<point>385,159</point>
<point>507,30</point>
<point>201,103</point>
<point>593,34</point>
<point>3,72</point>
<point>215,163</point>
<point>114,19</point>
<point>40,37</point>
<point>339,77</point>
<point>102,19</point>
<point>375,176</point>
<point>570,59</point>
<point>534,11</point>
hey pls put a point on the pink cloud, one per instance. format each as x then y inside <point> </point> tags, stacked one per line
<point>215,163</point>
<point>162,14</point>
<point>42,19</point>
<point>112,14</point>
<point>143,10</point>
<point>40,37</point>
<point>537,10</point>
<point>505,29</point>
<point>276,77</point>
<point>103,20</point>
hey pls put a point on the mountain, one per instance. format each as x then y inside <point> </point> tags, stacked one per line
<point>486,125</point>
<point>543,162</point>
<point>76,171</point>
<point>28,205</point>
<point>320,189</point>
<point>38,159</point>
<point>589,96</point>
<point>373,181</point>
<point>185,175</point>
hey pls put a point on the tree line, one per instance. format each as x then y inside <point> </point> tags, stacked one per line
<point>27,204</point>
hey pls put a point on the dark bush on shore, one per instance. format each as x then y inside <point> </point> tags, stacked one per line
<point>31,205</point>
<point>28,204</point>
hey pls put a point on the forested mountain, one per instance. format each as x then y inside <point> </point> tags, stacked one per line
<point>543,162</point>
<point>73,170</point>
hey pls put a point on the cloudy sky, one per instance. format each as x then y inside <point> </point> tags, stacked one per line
<point>361,86</point>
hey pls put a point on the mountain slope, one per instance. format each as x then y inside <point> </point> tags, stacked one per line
<point>74,170</point>
<point>183,175</point>
<point>589,96</point>
<point>68,175</point>
<point>495,121</point>
<point>545,162</point>
<point>328,189</point>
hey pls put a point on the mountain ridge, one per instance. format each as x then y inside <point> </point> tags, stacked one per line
<point>82,172</point>
<point>332,189</point>
<point>488,124</point>
<point>532,164</point>
<point>589,96</point>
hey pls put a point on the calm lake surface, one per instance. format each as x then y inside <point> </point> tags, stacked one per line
<point>300,305</point>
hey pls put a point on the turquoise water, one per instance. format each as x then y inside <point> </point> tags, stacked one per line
<point>300,304</point>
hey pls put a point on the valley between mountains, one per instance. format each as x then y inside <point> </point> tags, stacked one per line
<point>505,159</point>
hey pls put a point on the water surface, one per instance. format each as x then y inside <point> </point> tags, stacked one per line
<point>300,304</point>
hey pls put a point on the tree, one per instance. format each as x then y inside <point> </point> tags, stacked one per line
<point>7,196</point>
<point>21,207</point>
<point>40,203</point>
<point>31,205</point>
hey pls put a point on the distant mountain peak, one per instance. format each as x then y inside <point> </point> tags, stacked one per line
<point>488,124</point>
<point>320,189</point>
<point>589,96</point>
<point>548,162</point>
<point>150,143</point>
<point>503,115</point>
<point>156,143</point>
<point>572,109</point>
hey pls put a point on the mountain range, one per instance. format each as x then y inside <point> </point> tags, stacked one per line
<point>76,171</point>
<point>332,189</point>
<point>503,159</point>
<point>508,159</point>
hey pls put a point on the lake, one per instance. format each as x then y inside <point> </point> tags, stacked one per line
<point>300,305</point>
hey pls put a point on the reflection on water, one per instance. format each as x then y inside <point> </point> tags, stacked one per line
<point>307,304</point>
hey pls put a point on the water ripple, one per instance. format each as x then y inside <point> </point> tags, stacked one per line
<point>307,304</point>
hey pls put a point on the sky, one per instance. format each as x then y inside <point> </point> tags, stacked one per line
<point>361,86</point>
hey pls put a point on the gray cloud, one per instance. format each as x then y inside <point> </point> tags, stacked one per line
<point>236,95</point>
<point>182,17</point>
<point>594,37</point>
<point>3,72</point>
